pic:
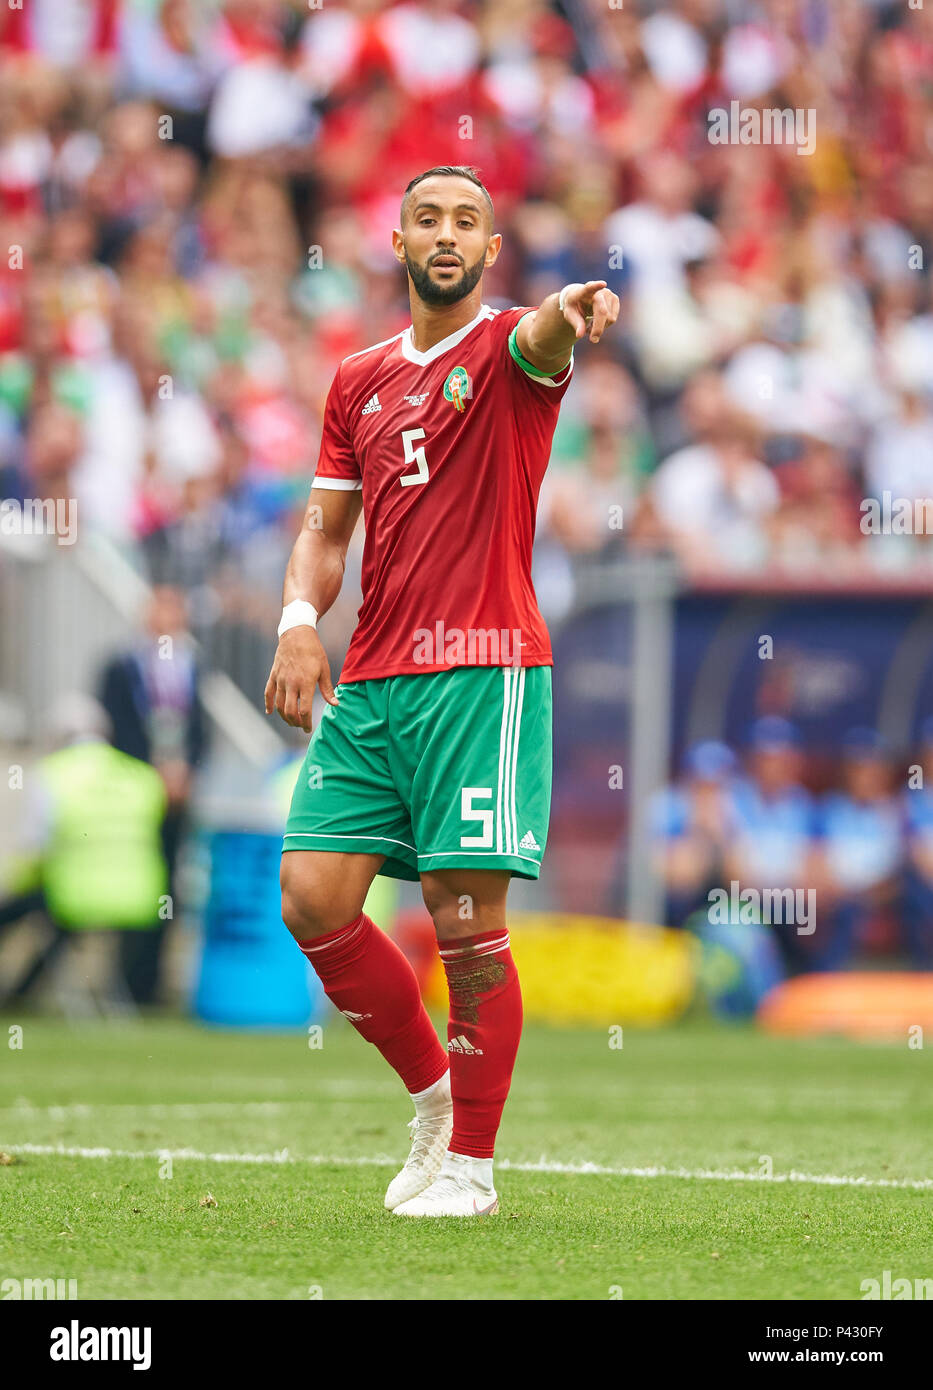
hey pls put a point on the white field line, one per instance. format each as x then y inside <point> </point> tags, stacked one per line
<point>21,1110</point>
<point>193,1110</point>
<point>543,1165</point>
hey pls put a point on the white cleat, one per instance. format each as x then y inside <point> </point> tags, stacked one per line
<point>462,1188</point>
<point>429,1140</point>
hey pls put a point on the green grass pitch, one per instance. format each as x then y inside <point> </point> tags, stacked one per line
<point>693,1100</point>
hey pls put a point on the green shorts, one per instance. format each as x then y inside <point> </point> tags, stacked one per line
<point>451,769</point>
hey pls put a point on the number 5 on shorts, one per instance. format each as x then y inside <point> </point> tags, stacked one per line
<point>469,812</point>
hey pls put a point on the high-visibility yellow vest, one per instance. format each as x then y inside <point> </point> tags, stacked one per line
<point>103,865</point>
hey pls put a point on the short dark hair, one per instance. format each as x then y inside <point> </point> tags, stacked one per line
<point>449,171</point>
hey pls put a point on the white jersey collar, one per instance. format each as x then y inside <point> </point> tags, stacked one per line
<point>421,359</point>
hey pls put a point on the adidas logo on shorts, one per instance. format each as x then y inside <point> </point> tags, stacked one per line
<point>528,841</point>
<point>464,1046</point>
<point>372,405</point>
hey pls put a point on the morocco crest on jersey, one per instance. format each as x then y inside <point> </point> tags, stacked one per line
<point>458,388</point>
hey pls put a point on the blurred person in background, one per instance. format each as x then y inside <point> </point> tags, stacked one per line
<point>899,463</point>
<point>151,694</point>
<point>661,231</point>
<point>917,810</point>
<point>718,488</point>
<point>186,550</point>
<point>606,401</point>
<point>587,510</point>
<point>166,56</point>
<point>262,103</point>
<point>817,519</point>
<point>900,455</point>
<point>859,853</point>
<point>593,495</point>
<point>774,818</point>
<point>691,323</point>
<point>53,445</point>
<point>91,850</point>
<point>692,825</point>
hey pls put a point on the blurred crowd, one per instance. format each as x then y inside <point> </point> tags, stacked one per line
<point>196,200</point>
<point>855,836</point>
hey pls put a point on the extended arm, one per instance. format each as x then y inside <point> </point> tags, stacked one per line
<point>546,337</point>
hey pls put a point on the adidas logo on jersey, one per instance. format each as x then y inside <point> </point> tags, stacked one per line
<point>417,400</point>
<point>354,1018</point>
<point>371,405</point>
<point>528,841</point>
<point>464,1046</point>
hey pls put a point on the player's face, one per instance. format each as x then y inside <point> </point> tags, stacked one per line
<point>446,240</point>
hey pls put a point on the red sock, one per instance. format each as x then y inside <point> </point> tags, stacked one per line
<point>483,1035</point>
<point>372,984</point>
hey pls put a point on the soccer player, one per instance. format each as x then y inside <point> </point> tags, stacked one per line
<point>432,760</point>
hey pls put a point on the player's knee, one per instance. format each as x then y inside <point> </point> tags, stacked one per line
<point>309,907</point>
<point>299,916</point>
<point>457,907</point>
<point>439,896</point>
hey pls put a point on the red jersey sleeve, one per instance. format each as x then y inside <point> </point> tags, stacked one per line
<point>529,381</point>
<point>337,467</point>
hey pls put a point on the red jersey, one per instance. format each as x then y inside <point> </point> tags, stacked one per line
<point>449,447</point>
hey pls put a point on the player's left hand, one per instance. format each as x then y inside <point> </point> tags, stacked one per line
<point>591,307</point>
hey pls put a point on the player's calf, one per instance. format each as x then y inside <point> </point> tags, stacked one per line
<point>484,1030</point>
<point>368,979</point>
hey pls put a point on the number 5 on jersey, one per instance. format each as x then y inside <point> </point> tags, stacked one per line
<point>413,455</point>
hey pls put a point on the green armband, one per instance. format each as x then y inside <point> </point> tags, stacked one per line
<point>527,366</point>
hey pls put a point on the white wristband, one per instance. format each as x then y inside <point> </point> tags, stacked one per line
<point>574,285</point>
<point>298,613</point>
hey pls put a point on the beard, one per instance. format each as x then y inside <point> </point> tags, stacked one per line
<point>431,293</point>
